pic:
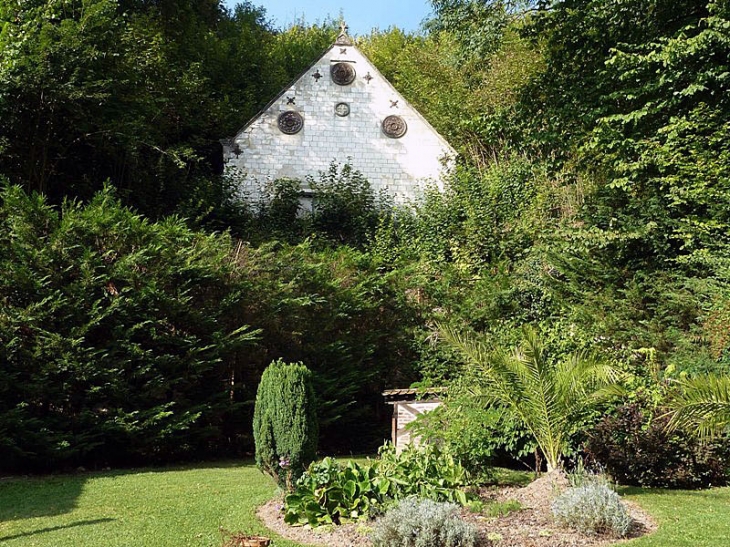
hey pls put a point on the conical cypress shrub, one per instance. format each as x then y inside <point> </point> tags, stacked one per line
<point>285,424</point>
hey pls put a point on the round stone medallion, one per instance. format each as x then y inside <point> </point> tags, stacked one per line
<point>394,127</point>
<point>290,122</point>
<point>342,73</point>
<point>342,109</point>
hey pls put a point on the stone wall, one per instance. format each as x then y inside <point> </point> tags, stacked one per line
<point>261,152</point>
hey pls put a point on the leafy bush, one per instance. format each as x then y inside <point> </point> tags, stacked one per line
<point>423,523</point>
<point>346,208</point>
<point>478,433</point>
<point>330,493</point>
<point>636,449</point>
<point>424,471</point>
<point>592,509</point>
<point>285,421</point>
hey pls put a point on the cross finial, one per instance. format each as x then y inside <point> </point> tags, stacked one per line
<point>343,39</point>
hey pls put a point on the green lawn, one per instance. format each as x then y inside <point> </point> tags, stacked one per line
<point>177,507</point>
<point>143,508</point>
<point>699,518</point>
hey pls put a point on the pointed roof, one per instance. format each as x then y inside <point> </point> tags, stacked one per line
<point>340,108</point>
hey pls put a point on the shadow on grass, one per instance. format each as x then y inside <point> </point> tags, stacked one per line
<point>32,497</point>
<point>54,528</point>
<point>53,495</point>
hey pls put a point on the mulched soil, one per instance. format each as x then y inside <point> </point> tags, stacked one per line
<point>532,526</point>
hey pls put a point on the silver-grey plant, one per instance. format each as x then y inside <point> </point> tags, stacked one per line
<point>592,509</point>
<point>415,522</point>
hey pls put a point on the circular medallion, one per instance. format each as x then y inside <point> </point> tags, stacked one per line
<point>342,73</point>
<point>394,127</point>
<point>290,122</point>
<point>342,109</point>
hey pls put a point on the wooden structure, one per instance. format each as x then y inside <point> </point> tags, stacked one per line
<point>407,405</point>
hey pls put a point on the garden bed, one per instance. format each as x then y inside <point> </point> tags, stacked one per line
<point>531,526</point>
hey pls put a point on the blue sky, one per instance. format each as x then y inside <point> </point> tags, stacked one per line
<point>361,15</point>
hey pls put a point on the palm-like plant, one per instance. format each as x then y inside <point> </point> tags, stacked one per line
<point>546,395</point>
<point>703,403</point>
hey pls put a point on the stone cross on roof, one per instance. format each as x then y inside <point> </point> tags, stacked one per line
<point>343,39</point>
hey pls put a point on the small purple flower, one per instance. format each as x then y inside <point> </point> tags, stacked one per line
<point>284,462</point>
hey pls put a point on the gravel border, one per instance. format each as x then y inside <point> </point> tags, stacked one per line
<point>532,526</point>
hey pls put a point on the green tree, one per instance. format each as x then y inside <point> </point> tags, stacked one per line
<point>285,423</point>
<point>547,395</point>
<point>137,93</point>
<point>119,337</point>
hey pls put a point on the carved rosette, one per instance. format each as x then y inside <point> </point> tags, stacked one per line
<point>342,73</point>
<point>290,122</point>
<point>394,127</point>
<point>342,109</point>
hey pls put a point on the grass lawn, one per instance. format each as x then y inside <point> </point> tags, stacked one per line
<point>699,518</point>
<point>171,507</point>
<point>176,507</point>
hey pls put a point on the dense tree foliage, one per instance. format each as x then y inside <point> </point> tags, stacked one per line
<point>125,341</point>
<point>590,202</point>
<point>117,335</point>
<point>135,92</point>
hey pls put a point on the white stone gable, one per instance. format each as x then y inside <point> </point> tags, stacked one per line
<point>343,123</point>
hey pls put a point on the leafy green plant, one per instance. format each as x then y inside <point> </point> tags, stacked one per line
<point>285,424</point>
<point>417,522</point>
<point>592,509</point>
<point>425,471</point>
<point>478,434</point>
<point>330,493</point>
<point>501,508</point>
<point>545,393</point>
<point>346,209</point>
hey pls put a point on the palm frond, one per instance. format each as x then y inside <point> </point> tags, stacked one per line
<point>545,395</point>
<point>703,403</point>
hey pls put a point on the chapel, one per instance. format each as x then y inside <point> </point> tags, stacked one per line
<point>340,109</point>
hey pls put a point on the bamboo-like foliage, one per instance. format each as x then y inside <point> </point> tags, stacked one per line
<point>545,394</point>
<point>702,403</point>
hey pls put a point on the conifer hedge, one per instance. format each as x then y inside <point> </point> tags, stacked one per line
<point>285,423</point>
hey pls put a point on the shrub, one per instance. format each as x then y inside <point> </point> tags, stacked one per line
<point>478,434</point>
<point>346,208</point>
<point>423,523</point>
<point>117,336</point>
<point>636,449</point>
<point>592,509</point>
<point>285,421</point>
<point>330,493</point>
<point>424,471</point>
